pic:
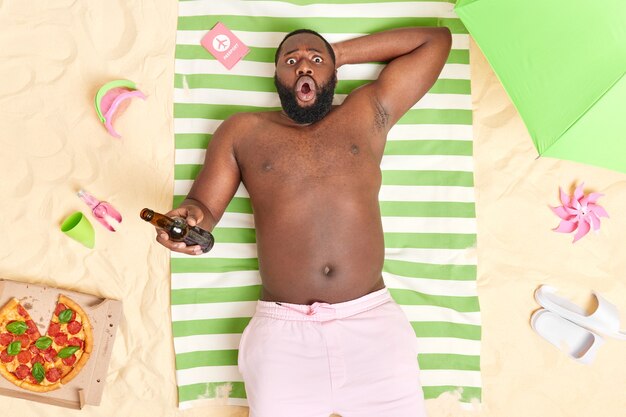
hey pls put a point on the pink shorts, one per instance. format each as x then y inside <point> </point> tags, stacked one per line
<point>355,359</point>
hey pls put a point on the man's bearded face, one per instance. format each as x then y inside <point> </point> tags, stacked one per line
<point>320,98</point>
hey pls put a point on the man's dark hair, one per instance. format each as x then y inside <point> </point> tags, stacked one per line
<point>312,32</point>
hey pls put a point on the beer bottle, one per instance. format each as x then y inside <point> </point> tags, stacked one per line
<point>178,230</point>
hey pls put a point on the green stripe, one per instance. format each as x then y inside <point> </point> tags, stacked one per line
<point>214,111</point>
<point>266,55</point>
<point>437,116</point>
<point>457,303</point>
<point>468,394</point>
<point>448,361</point>
<point>427,209</point>
<point>324,25</point>
<point>432,178</point>
<point>209,326</point>
<point>211,390</point>
<point>187,265</point>
<point>430,240</point>
<point>306,2</point>
<point>394,177</point>
<point>429,147</point>
<point>215,295</point>
<point>413,116</point>
<point>236,205</point>
<point>266,84</point>
<point>446,329</point>
<point>206,358</point>
<point>234,235</point>
<point>430,271</point>
<point>192,141</point>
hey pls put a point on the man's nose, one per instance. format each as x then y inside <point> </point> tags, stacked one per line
<point>304,69</point>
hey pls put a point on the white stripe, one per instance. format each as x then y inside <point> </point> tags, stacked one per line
<point>389,162</point>
<point>427,162</point>
<point>428,225</point>
<point>196,125</point>
<point>212,402</point>
<point>230,341</point>
<point>430,132</point>
<point>426,193</point>
<point>182,187</point>
<point>456,288</point>
<point>215,279</point>
<point>448,345</point>
<point>397,132</point>
<point>273,39</point>
<point>387,192</point>
<point>203,311</point>
<point>204,342</point>
<point>431,313</point>
<point>271,99</point>
<point>208,374</point>
<point>266,69</point>
<point>237,220</point>
<point>435,256</point>
<point>443,377</point>
<point>282,9</point>
<point>224,250</point>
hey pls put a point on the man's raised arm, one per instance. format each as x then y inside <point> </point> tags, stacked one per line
<point>416,56</point>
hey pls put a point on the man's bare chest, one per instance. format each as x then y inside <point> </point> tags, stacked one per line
<point>317,153</point>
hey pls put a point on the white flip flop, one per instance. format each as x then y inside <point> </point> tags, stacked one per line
<point>604,320</point>
<point>577,342</point>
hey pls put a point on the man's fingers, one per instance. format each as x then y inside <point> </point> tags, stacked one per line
<point>181,247</point>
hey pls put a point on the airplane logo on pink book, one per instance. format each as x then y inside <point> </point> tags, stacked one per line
<point>221,43</point>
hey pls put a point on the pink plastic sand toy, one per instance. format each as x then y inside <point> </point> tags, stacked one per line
<point>101,210</point>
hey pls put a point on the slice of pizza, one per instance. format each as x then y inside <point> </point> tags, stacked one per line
<point>44,363</point>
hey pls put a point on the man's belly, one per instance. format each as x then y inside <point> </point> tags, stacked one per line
<point>320,253</point>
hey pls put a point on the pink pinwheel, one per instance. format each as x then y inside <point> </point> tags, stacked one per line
<point>579,212</point>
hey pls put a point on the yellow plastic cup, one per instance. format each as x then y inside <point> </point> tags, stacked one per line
<point>78,227</point>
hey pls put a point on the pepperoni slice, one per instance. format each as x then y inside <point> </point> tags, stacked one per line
<point>69,361</point>
<point>23,356</point>
<point>75,341</point>
<point>22,371</point>
<point>6,339</point>
<point>74,327</point>
<point>5,357</point>
<point>49,354</point>
<point>22,311</point>
<point>53,374</point>
<point>30,378</point>
<point>36,358</point>
<point>32,327</point>
<point>61,339</point>
<point>60,307</point>
<point>54,329</point>
<point>24,339</point>
<point>34,350</point>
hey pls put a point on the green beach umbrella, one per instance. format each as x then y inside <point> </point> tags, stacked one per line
<point>562,63</point>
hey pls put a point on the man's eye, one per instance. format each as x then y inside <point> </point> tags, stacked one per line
<point>291,61</point>
<point>318,60</point>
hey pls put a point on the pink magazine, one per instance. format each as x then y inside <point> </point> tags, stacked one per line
<point>224,45</point>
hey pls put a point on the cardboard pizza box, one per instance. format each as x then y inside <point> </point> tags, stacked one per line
<point>104,314</point>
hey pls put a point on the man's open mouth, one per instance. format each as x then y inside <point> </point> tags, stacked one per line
<point>305,88</point>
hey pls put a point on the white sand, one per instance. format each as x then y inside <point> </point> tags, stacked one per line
<point>54,55</point>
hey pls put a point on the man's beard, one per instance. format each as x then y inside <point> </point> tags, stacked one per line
<point>310,114</point>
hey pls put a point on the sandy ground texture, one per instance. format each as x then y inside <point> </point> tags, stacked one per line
<point>54,55</point>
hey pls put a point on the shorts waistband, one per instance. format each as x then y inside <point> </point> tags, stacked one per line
<point>322,311</point>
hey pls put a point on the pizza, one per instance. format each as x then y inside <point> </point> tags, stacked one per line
<point>44,363</point>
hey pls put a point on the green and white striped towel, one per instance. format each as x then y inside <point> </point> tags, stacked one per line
<point>426,200</point>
